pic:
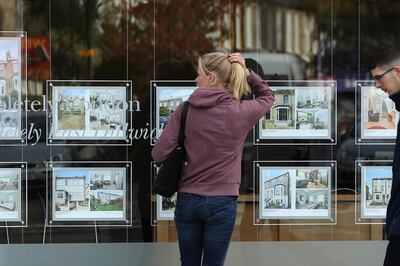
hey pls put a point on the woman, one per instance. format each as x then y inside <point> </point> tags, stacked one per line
<point>216,127</point>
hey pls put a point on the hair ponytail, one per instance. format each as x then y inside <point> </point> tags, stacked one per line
<point>238,81</point>
<point>233,75</point>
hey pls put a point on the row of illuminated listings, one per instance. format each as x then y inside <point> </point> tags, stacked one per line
<point>81,192</point>
<point>305,192</point>
<point>90,111</point>
<point>303,110</point>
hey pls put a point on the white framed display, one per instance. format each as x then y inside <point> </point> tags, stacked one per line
<point>304,112</point>
<point>13,71</point>
<point>13,194</point>
<point>83,192</point>
<point>295,192</point>
<point>165,98</point>
<point>376,115</point>
<point>89,112</point>
<point>166,207</point>
<point>374,183</point>
<point>162,208</point>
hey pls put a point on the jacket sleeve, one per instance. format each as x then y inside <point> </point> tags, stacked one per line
<point>264,99</point>
<point>168,140</point>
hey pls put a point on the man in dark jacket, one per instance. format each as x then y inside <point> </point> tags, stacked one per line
<point>385,67</point>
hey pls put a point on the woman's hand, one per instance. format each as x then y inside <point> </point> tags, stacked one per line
<point>237,58</point>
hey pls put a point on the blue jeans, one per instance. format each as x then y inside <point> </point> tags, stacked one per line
<point>204,226</point>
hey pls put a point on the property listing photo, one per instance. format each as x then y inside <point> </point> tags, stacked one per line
<point>88,113</point>
<point>298,113</point>
<point>167,100</point>
<point>166,207</point>
<point>376,185</point>
<point>295,192</point>
<point>71,190</point>
<point>312,178</point>
<point>71,109</point>
<point>379,117</point>
<point>9,119</point>
<point>90,193</point>
<point>10,87</point>
<point>10,194</point>
<point>276,189</point>
<point>312,199</point>
<point>106,200</point>
<point>107,109</point>
<point>282,113</point>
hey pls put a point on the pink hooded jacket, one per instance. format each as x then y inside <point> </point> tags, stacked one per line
<point>216,128</point>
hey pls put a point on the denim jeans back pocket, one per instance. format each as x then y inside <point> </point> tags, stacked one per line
<point>222,209</point>
<point>183,200</point>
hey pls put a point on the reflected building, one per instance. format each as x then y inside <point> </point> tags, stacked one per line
<point>287,36</point>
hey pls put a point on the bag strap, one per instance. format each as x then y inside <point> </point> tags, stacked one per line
<point>183,124</point>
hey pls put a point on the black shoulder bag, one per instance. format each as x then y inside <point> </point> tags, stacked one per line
<point>169,174</point>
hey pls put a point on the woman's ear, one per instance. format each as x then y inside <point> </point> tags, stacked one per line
<point>212,77</point>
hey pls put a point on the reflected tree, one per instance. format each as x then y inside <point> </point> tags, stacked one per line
<point>74,33</point>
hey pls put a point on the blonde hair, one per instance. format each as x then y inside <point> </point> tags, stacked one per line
<point>233,75</point>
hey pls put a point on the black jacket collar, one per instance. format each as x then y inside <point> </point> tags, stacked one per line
<point>396,99</point>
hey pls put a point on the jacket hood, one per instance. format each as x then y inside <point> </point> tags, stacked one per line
<point>209,97</point>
